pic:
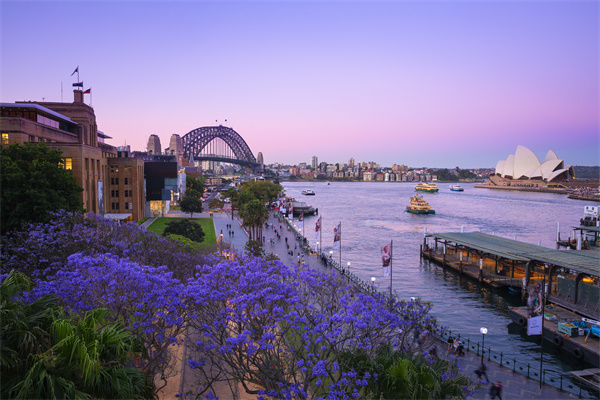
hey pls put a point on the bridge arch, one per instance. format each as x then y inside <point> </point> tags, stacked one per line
<point>198,139</point>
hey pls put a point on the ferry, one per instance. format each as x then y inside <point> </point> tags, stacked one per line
<point>308,192</point>
<point>426,187</point>
<point>419,206</point>
<point>456,188</point>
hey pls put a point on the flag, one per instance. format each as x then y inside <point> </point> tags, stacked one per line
<point>78,84</point>
<point>301,220</point>
<point>318,228</point>
<point>386,259</point>
<point>337,236</point>
<point>88,91</point>
<point>76,70</point>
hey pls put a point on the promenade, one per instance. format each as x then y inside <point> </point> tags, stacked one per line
<point>515,385</point>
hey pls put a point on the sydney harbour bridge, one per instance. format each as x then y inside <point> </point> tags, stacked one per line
<point>218,143</point>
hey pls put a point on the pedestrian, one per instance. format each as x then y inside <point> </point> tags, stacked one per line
<point>450,342</point>
<point>232,232</point>
<point>496,390</point>
<point>481,371</point>
<point>433,351</point>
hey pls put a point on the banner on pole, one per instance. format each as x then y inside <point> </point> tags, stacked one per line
<point>386,259</point>
<point>318,228</point>
<point>534,325</point>
<point>337,236</point>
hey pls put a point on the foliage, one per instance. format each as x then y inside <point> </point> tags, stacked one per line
<point>186,228</point>
<point>195,184</point>
<point>403,375</point>
<point>254,248</point>
<point>44,249</point>
<point>216,203</point>
<point>264,191</point>
<point>33,183</point>
<point>47,355</point>
<point>255,214</point>
<point>191,203</point>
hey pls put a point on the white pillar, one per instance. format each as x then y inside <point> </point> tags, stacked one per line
<point>558,231</point>
<point>462,228</point>
<point>579,241</point>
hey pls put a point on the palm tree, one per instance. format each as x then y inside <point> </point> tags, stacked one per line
<point>255,214</point>
<point>44,354</point>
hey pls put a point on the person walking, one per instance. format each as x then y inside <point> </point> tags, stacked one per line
<point>482,371</point>
<point>496,390</point>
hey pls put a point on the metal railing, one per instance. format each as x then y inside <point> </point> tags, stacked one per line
<point>562,381</point>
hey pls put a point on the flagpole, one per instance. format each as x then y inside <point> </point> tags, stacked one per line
<point>341,247</point>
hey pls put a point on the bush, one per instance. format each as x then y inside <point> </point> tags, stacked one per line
<point>186,228</point>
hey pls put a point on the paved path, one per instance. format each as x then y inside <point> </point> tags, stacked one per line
<point>515,385</point>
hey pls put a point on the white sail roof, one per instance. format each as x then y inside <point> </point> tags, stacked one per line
<point>509,167</point>
<point>525,161</point>
<point>500,167</point>
<point>551,155</point>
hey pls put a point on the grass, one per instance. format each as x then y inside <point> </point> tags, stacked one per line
<point>210,238</point>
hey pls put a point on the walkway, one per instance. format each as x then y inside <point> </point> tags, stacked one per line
<point>515,385</point>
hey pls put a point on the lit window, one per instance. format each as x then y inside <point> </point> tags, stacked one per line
<point>5,138</point>
<point>68,163</point>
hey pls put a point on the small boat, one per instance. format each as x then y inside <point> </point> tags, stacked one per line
<point>328,183</point>
<point>419,206</point>
<point>457,188</point>
<point>426,187</point>
<point>308,192</point>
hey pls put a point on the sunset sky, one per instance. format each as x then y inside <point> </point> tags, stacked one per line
<point>422,83</point>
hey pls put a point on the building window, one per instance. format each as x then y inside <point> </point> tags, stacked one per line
<point>68,163</point>
<point>114,168</point>
<point>131,206</point>
<point>114,193</point>
<point>5,138</point>
<point>114,181</point>
<point>126,181</point>
<point>127,206</point>
<point>31,139</point>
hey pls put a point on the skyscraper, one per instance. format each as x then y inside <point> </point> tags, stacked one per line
<point>314,162</point>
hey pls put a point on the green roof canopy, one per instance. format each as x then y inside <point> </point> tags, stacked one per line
<point>587,261</point>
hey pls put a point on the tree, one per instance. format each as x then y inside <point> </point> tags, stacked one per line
<point>47,355</point>
<point>195,184</point>
<point>186,228</point>
<point>34,182</point>
<point>191,203</point>
<point>216,203</point>
<point>254,214</point>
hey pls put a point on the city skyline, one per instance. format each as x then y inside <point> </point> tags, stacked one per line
<point>433,83</point>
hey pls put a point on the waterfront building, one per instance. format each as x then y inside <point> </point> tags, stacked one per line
<point>351,162</point>
<point>369,176</point>
<point>525,167</point>
<point>70,128</point>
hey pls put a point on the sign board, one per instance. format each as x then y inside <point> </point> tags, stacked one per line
<point>534,325</point>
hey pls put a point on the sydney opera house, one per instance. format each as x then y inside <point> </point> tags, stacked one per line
<point>524,169</point>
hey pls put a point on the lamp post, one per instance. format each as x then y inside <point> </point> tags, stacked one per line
<point>318,250</point>
<point>373,282</point>
<point>483,332</point>
<point>348,267</point>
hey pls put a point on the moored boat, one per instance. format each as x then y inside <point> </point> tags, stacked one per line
<point>426,187</point>
<point>456,188</point>
<point>308,192</point>
<point>419,206</point>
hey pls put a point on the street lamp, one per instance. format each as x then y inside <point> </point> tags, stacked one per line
<point>373,282</point>
<point>483,332</point>
<point>318,250</point>
<point>348,266</point>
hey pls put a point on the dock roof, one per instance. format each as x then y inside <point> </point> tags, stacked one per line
<point>587,261</point>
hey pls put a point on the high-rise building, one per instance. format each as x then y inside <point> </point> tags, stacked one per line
<point>314,162</point>
<point>154,145</point>
<point>351,162</point>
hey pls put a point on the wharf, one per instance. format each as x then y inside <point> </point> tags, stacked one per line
<point>587,350</point>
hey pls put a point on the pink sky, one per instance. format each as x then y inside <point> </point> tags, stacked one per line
<point>432,83</point>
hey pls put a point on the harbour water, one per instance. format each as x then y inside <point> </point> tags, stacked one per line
<point>373,213</point>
